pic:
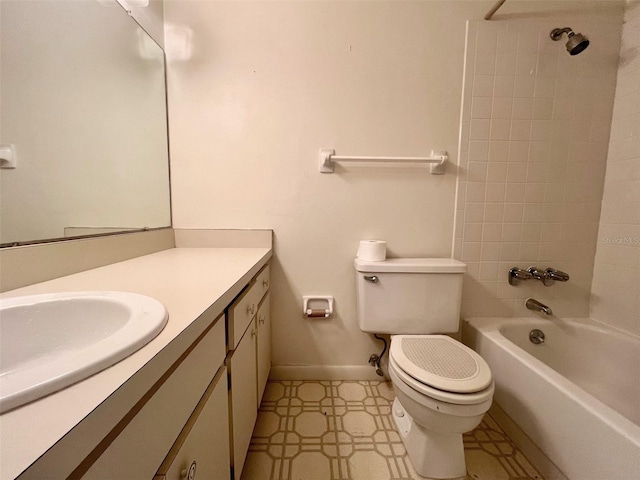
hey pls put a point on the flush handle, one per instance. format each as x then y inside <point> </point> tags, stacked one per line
<point>371,278</point>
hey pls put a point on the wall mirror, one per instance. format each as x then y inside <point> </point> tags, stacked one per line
<point>83,102</point>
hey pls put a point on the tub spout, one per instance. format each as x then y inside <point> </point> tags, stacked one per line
<point>536,306</point>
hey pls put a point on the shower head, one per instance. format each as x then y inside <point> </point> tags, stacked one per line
<point>576,42</point>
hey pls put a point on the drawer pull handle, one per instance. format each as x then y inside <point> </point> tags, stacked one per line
<point>251,309</point>
<point>261,319</point>
<point>254,332</point>
<point>265,283</point>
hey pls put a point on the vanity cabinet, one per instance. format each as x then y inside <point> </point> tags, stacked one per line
<point>196,412</point>
<point>161,415</point>
<point>197,419</point>
<point>248,361</point>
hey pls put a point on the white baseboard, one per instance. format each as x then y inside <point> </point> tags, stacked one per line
<point>323,372</point>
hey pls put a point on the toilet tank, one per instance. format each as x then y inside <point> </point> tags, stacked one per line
<point>409,295</point>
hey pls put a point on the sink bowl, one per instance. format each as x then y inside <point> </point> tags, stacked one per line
<point>48,342</point>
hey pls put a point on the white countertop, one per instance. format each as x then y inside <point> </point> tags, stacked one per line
<point>195,285</point>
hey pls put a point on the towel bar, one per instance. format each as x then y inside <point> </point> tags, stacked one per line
<point>437,160</point>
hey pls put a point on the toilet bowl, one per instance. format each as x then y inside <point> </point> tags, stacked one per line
<point>443,388</point>
<point>430,419</point>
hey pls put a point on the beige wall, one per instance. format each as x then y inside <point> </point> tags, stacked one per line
<point>615,295</point>
<point>535,132</point>
<point>269,84</point>
<point>263,85</point>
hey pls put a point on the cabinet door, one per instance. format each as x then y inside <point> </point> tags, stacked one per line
<point>202,450</point>
<point>242,369</point>
<point>264,345</point>
<point>142,445</point>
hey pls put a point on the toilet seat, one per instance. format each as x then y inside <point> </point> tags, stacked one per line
<point>441,367</point>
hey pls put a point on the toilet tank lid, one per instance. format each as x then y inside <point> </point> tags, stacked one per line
<point>411,265</point>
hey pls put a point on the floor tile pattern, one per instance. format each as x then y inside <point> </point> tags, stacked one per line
<point>343,430</point>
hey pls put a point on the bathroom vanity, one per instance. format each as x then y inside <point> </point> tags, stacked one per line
<point>184,403</point>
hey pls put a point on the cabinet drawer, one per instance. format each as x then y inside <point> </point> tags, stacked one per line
<point>245,307</point>
<point>203,444</point>
<point>161,419</point>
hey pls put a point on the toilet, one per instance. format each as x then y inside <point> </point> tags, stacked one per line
<point>443,388</point>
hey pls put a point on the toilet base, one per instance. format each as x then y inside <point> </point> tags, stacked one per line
<point>432,454</point>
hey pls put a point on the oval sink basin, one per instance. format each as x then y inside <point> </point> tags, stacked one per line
<point>48,342</point>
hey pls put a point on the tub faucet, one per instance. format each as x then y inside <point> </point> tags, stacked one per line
<point>548,276</point>
<point>516,275</point>
<point>556,275</point>
<point>536,306</point>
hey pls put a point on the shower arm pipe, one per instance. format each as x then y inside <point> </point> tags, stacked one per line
<point>494,9</point>
<point>437,160</point>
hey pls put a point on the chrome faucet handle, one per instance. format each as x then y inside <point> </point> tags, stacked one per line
<point>541,275</point>
<point>558,275</point>
<point>516,274</point>
<point>536,273</point>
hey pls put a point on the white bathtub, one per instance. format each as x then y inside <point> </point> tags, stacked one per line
<point>577,395</point>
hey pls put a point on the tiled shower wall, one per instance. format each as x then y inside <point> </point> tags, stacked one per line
<point>615,295</point>
<point>534,140</point>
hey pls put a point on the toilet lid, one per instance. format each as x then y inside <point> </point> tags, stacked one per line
<point>440,362</point>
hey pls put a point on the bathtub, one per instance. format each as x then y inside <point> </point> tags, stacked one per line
<point>577,395</point>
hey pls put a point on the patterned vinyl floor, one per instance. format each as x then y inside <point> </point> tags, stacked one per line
<point>335,430</point>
